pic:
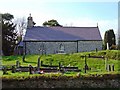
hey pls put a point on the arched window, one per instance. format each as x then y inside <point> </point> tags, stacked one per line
<point>61,48</point>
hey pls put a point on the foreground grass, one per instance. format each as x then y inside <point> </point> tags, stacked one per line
<point>97,65</point>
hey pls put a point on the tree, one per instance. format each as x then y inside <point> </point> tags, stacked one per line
<point>51,23</point>
<point>21,26</point>
<point>9,35</point>
<point>109,38</point>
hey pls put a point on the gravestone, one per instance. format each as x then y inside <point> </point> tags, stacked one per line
<point>30,69</point>
<point>59,66</point>
<point>41,62</point>
<point>85,63</point>
<point>17,64</point>
<point>112,67</point>
<point>107,46</point>
<point>88,55</point>
<point>96,50</point>
<point>106,65</point>
<point>4,70</point>
<point>38,64</point>
<point>13,69</point>
<point>109,67</point>
<point>23,58</point>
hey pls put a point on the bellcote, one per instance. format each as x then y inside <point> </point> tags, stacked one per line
<point>30,22</point>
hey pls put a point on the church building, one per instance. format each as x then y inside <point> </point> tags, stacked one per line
<point>53,40</point>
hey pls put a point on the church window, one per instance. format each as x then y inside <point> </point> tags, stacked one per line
<point>61,48</point>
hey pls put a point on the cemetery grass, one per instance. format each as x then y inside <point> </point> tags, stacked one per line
<point>97,65</point>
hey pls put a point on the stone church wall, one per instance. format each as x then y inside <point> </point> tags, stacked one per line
<point>54,47</point>
<point>84,46</point>
<point>50,47</point>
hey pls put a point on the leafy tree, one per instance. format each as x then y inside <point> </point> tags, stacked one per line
<point>109,38</point>
<point>21,26</point>
<point>9,35</point>
<point>51,23</point>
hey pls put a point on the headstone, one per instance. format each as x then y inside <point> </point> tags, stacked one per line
<point>17,64</point>
<point>112,67</point>
<point>59,66</point>
<point>78,74</point>
<point>4,70</point>
<point>107,46</point>
<point>41,62</point>
<point>13,69</point>
<point>88,55</point>
<point>38,65</point>
<point>106,59</point>
<point>23,58</point>
<point>30,69</point>
<point>85,64</point>
<point>96,50</point>
<point>109,67</point>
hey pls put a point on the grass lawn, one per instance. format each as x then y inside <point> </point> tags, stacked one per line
<point>97,65</point>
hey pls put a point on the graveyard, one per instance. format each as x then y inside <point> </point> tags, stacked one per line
<point>85,63</point>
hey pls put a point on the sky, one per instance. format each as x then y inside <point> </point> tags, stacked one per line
<point>75,13</point>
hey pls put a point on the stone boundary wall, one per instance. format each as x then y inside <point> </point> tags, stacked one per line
<point>69,83</point>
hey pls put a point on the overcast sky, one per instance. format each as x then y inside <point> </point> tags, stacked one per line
<point>81,13</point>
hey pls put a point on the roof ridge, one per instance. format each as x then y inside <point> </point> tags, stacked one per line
<point>66,27</point>
<point>81,27</point>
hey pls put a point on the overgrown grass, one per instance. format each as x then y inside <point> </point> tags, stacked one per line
<point>97,65</point>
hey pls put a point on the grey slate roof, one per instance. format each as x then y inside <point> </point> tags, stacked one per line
<point>62,33</point>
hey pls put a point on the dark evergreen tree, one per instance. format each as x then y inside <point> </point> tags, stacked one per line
<point>109,38</point>
<point>9,36</point>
